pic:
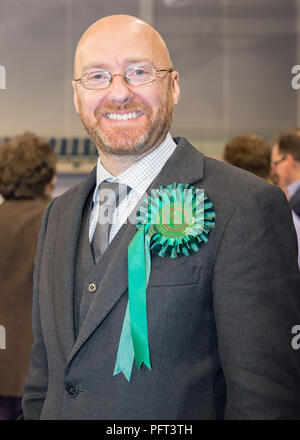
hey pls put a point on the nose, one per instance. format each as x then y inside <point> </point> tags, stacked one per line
<point>119,90</point>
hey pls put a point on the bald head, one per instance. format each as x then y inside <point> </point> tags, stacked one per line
<point>112,35</point>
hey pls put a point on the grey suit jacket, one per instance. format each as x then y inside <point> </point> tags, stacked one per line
<point>219,321</point>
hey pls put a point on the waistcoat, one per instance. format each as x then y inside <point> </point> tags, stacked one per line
<point>87,275</point>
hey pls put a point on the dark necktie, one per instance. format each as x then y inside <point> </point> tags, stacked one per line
<point>110,196</point>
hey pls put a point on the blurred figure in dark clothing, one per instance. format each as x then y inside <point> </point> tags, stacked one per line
<point>251,153</point>
<point>286,166</point>
<point>27,177</point>
<point>285,172</point>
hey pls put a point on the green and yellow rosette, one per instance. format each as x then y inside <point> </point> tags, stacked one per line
<point>173,221</point>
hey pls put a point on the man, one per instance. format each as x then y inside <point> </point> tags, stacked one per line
<point>286,166</point>
<point>251,153</point>
<point>286,172</point>
<point>219,318</point>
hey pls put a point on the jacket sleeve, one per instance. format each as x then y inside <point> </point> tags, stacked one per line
<point>257,303</point>
<point>36,383</point>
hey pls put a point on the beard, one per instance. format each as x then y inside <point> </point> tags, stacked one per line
<point>129,141</point>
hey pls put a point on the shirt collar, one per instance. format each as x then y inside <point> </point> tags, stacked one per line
<point>293,188</point>
<point>135,177</point>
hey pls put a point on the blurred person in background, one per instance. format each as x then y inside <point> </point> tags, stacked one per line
<point>285,172</point>
<point>251,153</point>
<point>27,177</point>
<point>286,166</point>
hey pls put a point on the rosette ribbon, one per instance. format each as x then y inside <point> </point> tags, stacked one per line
<point>173,221</point>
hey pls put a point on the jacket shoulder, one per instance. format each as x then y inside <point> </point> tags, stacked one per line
<point>233,180</point>
<point>80,189</point>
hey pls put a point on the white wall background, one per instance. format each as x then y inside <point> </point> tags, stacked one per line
<point>234,58</point>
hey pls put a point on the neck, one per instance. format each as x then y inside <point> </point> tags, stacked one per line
<point>116,165</point>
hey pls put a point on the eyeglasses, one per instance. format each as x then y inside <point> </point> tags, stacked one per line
<point>136,76</point>
<point>277,162</point>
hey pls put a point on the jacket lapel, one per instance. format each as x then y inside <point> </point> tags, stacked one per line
<point>65,247</point>
<point>113,265</point>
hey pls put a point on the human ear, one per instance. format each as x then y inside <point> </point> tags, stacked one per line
<point>175,87</point>
<point>75,96</point>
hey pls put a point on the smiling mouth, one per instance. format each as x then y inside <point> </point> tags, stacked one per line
<point>123,117</point>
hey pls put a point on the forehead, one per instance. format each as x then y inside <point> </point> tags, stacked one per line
<point>116,51</point>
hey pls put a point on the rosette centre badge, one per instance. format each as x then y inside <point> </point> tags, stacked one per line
<point>174,220</point>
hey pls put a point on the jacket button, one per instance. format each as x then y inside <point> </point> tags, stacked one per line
<point>72,389</point>
<point>92,287</point>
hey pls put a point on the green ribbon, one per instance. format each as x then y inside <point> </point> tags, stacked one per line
<point>174,221</point>
<point>134,336</point>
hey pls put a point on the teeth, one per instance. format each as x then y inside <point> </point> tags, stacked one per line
<point>124,117</point>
